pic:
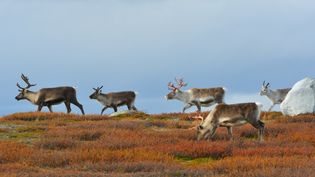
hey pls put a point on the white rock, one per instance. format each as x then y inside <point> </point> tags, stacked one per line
<point>129,112</point>
<point>300,99</point>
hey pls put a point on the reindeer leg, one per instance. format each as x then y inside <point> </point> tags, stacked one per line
<point>105,107</point>
<point>271,107</point>
<point>75,102</point>
<point>40,106</point>
<point>198,107</point>
<point>131,106</point>
<point>134,108</point>
<point>261,131</point>
<point>212,133</point>
<point>67,103</point>
<point>229,129</point>
<point>187,106</point>
<point>50,108</point>
<point>115,108</point>
<point>260,126</point>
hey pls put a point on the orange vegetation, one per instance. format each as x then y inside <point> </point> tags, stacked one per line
<point>57,144</point>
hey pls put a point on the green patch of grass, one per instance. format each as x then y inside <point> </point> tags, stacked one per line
<point>193,161</point>
<point>23,135</point>
<point>20,133</point>
<point>31,129</point>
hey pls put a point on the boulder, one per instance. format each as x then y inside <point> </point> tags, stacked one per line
<point>300,99</point>
<point>127,112</point>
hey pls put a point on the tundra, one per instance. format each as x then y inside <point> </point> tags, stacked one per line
<point>199,97</point>
<point>48,96</point>
<point>224,115</point>
<point>114,99</point>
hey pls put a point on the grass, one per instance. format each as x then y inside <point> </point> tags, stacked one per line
<point>57,144</point>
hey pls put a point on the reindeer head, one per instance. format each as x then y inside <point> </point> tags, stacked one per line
<point>23,90</point>
<point>206,130</point>
<point>264,88</point>
<point>175,90</point>
<point>97,91</point>
<point>201,130</point>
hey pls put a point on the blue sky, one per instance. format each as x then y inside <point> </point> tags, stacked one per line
<point>141,45</point>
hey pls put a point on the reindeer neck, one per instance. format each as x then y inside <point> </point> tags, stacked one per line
<point>102,97</point>
<point>32,97</point>
<point>271,94</point>
<point>183,96</point>
<point>209,118</point>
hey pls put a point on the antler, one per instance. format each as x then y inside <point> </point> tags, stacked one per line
<point>197,117</point>
<point>180,82</point>
<point>171,86</point>
<point>266,84</point>
<point>25,79</point>
<point>18,85</point>
<point>98,88</point>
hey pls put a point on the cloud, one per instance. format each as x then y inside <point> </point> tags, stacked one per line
<point>250,97</point>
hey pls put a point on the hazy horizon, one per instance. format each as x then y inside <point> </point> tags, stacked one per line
<point>142,45</point>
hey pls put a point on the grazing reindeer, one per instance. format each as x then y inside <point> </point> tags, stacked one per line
<point>114,99</point>
<point>200,97</point>
<point>48,96</point>
<point>224,115</point>
<point>276,96</point>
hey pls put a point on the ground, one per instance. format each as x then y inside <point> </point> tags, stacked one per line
<point>57,144</point>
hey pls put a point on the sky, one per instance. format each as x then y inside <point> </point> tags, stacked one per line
<point>141,45</point>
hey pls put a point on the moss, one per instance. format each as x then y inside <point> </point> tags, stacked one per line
<point>193,161</point>
<point>21,133</point>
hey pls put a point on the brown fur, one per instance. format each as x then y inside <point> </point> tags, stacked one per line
<point>217,93</point>
<point>115,99</point>
<point>228,116</point>
<point>246,110</point>
<point>52,96</point>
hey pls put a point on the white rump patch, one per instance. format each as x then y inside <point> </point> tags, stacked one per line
<point>127,112</point>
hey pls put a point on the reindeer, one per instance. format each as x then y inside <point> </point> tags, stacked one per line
<point>48,96</point>
<point>276,96</point>
<point>228,116</point>
<point>200,97</point>
<point>114,99</point>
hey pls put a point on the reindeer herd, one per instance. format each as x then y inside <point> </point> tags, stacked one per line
<point>223,115</point>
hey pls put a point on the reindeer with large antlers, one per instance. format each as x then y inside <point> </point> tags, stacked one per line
<point>275,96</point>
<point>114,99</point>
<point>199,97</point>
<point>48,96</point>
